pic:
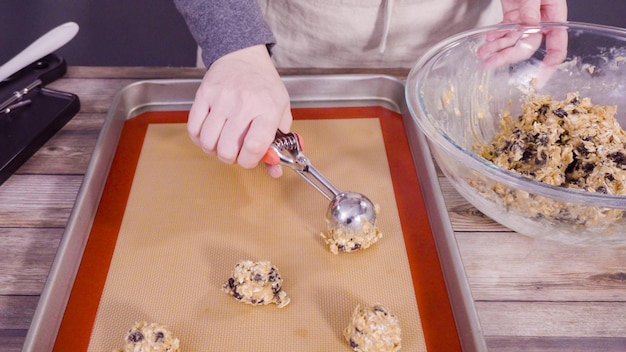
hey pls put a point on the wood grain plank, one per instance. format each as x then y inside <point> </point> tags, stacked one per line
<point>552,344</point>
<point>138,72</point>
<point>103,88</point>
<point>464,216</point>
<point>509,266</point>
<point>12,340</point>
<point>135,73</point>
<point>38,200</point>
<point>17,311</point>
<point>28,255</point>
<point>553,319</point>
<point>95,95</point>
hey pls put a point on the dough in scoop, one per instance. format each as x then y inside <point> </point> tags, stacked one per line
<point>345,240</point>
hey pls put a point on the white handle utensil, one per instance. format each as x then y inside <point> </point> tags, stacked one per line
<point>46,44</point>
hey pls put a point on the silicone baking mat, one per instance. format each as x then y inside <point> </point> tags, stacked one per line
<point>173,222</point>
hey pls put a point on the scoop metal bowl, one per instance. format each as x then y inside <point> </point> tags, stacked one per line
<point>347,210</point>
<point>350,210</point>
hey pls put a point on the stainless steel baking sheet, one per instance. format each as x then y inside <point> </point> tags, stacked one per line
<point>305,91</point>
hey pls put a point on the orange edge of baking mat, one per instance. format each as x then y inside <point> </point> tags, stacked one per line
<point>430,291</point>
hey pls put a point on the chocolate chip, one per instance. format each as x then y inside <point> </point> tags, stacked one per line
<point>560,112</point>
<point>588,167</point>
<point>543,110</point>
<point>258,277</point>
<point>273,275</point>
<point>541,161</point>
<point>380,309</point>
<point>618,157</point>
<point>527,155</point>
<point>353,344</point>
<point>159,337</point>
<point>135,336</point>
<point>571,167</point>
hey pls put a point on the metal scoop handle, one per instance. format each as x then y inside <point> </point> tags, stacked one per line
<point>287,150</point>
<point>348,211</point>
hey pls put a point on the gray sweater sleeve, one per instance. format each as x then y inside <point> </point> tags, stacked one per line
<point>223,26</point>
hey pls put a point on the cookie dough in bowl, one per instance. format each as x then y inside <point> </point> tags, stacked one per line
<point>534,143</point>
<point>568,143</point>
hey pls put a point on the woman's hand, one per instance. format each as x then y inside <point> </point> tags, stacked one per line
<point>238,107</point>
<point>510,46</point>
<point>532,12</point>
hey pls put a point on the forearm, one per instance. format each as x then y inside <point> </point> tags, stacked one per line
<point>223,26</point>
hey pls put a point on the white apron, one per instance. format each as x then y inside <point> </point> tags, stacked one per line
<point>368,33</point>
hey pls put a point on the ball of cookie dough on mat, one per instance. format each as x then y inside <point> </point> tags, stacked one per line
<point>373,329</point>
<point>256,283</point>
<point>150,337</point>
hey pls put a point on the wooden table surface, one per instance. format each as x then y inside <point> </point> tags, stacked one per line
<point>531,295</point>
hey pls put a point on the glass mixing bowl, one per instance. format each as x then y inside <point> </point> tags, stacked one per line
<point>457,93</point>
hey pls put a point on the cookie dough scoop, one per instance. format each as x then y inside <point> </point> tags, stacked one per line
<point>347,210</point>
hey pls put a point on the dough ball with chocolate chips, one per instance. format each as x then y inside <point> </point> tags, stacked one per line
<point>256,283</point>
<point>150,337</point>
<point>373,329</point>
